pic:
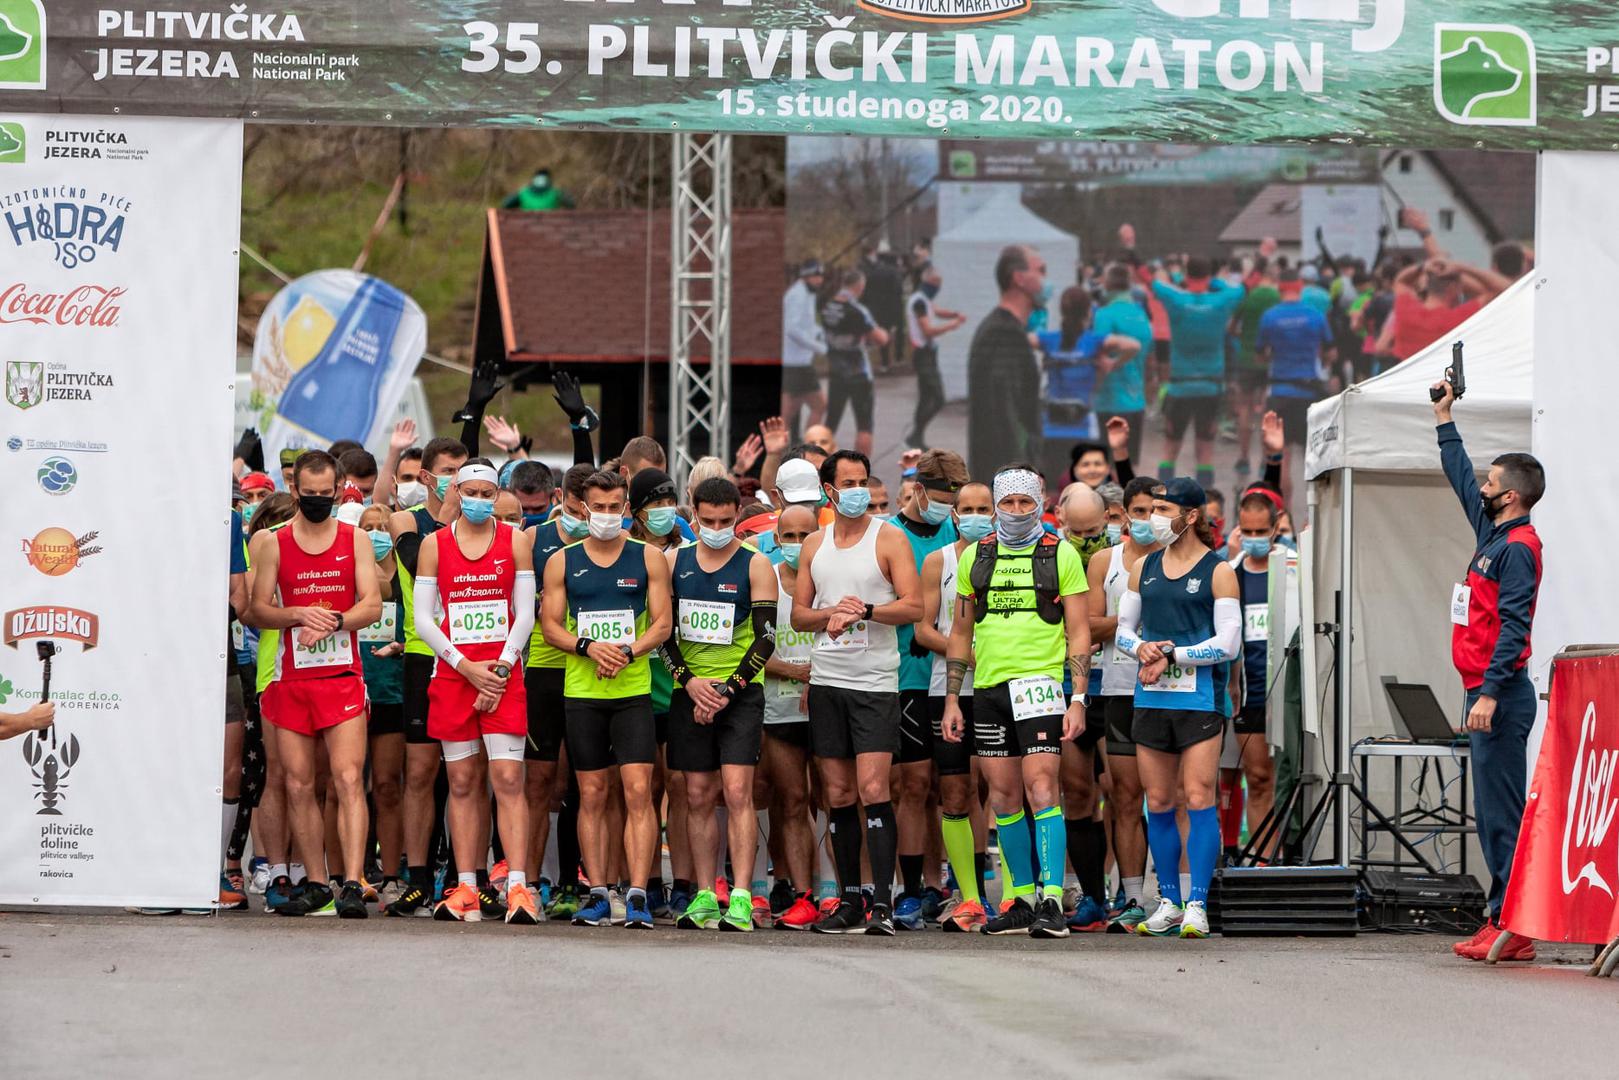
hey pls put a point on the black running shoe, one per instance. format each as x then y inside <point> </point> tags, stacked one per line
<point>1049,921</point>
<point>1016,919</point>
<point>412,901</point>
<point>351,901</point>
<point>880,922</point>
<point>312,898</point>
<point>781,896</point>
<point>849,917</point>
<point>490,904</point>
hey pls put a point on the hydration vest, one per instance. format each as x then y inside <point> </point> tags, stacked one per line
<point>1047,591</point>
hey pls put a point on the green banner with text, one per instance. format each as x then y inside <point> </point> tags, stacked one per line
<point>1431,73</point>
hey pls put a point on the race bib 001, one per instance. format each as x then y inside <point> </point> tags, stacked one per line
<point>334,650</point>
<point>1038,695</point>
<point>616,627</point>
<point>707,622</point>
<point>475,622</point>
<point>383,630</point>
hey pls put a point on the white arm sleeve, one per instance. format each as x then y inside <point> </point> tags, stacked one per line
<point>1127,637</point>
<point>1226,644</point>
<point>523,595</point>
<point>425,600</point>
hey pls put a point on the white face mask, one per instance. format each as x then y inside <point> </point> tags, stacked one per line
<point>409,494</point>
<point>606,526</point>
<point>1163,529</point>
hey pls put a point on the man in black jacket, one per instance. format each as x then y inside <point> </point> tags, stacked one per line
<point>1003,376</point>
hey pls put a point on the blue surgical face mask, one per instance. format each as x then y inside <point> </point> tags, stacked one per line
<point>381,544</point>
<point>716,538</point>
<point>1256,547</point>
<point>975,526</point>
<point>852,502</point>
<point>1289,542</point>
<point>477,511</point>
<point>935,512</point>
<point>790,553</point>
<point>660,521</point>
<point>1046,292</point>
<point>441,485</point>
<point>1141,532</point>
<point>247,513</point>
<point>1115,531</point>
<point>929,290</point>
<point>576,528</point>
<point>531,520</point>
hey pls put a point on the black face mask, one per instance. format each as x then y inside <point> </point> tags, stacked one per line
<point>1492,504</point>
<point>316,508</point>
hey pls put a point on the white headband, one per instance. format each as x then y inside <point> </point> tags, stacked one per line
<point>477,472</point>
<point>1016,482</point>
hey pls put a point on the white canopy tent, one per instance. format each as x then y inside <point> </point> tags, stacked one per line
<point>965,256</point>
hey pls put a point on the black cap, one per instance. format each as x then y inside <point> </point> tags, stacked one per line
<point>811,268</point>
<point>1183,491</point>
<point>647,485</point>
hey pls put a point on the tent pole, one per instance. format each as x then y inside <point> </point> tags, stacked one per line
<point>1346,652</point>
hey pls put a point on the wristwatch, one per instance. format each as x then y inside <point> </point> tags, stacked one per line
<point>629,653</point>
<point>340,620</point>
<point>502,669</point>
<point>1078,699</point>
<point>869,609</point>
<point>582,646</point>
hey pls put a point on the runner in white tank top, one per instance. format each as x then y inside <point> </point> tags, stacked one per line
<point>857,581</point>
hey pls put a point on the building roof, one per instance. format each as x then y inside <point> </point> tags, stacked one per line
<point>1274,212</point>
<point>1498,186</point>
<point>592,286</point>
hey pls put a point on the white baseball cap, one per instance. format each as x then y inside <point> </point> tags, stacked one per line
<point>799,482</point>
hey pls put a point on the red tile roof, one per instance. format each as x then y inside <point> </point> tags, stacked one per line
<point>573,286</point>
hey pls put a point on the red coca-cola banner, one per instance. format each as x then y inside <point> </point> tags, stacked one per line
<point>1565,876</point>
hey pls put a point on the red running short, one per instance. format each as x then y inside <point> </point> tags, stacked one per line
<point>310,706</point>
<point>452,714</point>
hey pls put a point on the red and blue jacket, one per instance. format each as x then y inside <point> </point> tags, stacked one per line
<point>1503,579</point>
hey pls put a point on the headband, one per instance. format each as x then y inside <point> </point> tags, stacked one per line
<point>938,483</point>
<point>1017,482</point>
<point>756,524</point>
<point>477,472</point>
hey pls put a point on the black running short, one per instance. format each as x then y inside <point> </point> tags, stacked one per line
<point>731,739</point>
<point>603,732</point>
<point>1120,713</point>
<point>845,723</point>
<point>952,758</point>
<point>1250,721</point>
<point>915,730</point>
<point>799,380</point>
<point>1201,414</point>
<point>795,733</point>
<point>418,673</point>
<point>1172,731</point>
<point>386,719</point>
<point>235,702</point>
<point>996,735</point>
<point>1295,414</point>
<point>1095,723</point>
<point>547,717</point>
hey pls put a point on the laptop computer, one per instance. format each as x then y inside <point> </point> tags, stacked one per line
<point>1418,711</point>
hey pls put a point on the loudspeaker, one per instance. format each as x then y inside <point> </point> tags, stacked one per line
<point>1447,903</point>
<point>1284,901</point>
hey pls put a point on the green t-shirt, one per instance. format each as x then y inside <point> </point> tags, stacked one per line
<point>1249,312</point>
<point>1012,643</point>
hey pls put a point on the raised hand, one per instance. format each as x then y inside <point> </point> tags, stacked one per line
<point>504,435</point>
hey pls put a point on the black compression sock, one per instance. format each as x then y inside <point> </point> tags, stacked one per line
<point>882,837</point>
<point>568,842</point>
<point>844,825</point>
<point>419,878</point>
<point>483,879</point>
<point>1091,866</point>
<point>981,868</point>
<point>910,872</point>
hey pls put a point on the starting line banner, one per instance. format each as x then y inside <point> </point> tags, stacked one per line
<point>1565,875</point>
<point>118,272</point>
<point>1497,74</point>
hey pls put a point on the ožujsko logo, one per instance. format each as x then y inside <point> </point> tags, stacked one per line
<point>50,621</point>
<point>25,383</point>
<point>55,551</point>
<point>98,306</point>
<point>1484,75</point>
<point>22,45</point>
<point>56,475</point>
<point>13,143</point>
<point>1591,808</point>
<point>947,11</point>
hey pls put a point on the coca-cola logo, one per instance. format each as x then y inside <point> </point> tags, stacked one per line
<point>1591,807</point>
<point>85,305</point>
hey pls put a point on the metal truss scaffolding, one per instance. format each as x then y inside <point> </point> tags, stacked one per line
<point>700,302</point>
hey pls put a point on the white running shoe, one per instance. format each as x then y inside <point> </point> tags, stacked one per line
<point>261,879</point>
<point>615,905</point>
<point>1070,899</point>
<point>1195,920</point>
<point>1164,921</point>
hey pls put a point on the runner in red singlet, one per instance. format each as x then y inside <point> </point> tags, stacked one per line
<point>316,582</point>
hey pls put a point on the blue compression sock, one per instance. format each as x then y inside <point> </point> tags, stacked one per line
<point>1052,837</point>
<point>1202,849</point>
<point>1017,852</point>
<point>1164,841</point>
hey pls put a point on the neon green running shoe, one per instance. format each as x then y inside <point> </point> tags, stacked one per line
<point>739,915</point>
<point>564,905</point>
<point>703,913</point>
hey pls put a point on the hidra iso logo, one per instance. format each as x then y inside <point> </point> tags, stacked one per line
<point>22,45</point>
<point>1484,75</point>
<point>77,225</point>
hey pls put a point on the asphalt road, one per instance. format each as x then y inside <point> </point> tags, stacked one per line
<point>249,995</point>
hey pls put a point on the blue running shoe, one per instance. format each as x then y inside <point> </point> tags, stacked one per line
<point>595,912</point>
<point>659,901</point>
<point>932,904</point>
<point>440,872</point>
<point>679,901</point>
<point>1088,917</point>
<point>636,914</point>
<point>908,914</point>
<point>278,894</point>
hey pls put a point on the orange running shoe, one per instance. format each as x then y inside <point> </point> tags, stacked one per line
<point>520,907</point>
<point>967,917</point>
<point>460,904</point>
<point>1485,933</point>
<point>499,874</point>
<point>722,891</point>
<point>829,905</point>
<point>761,913</point>
<point>800,916</point>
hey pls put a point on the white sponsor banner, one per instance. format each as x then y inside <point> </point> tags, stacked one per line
<point>118,272</point>
<point>1346,216</point>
